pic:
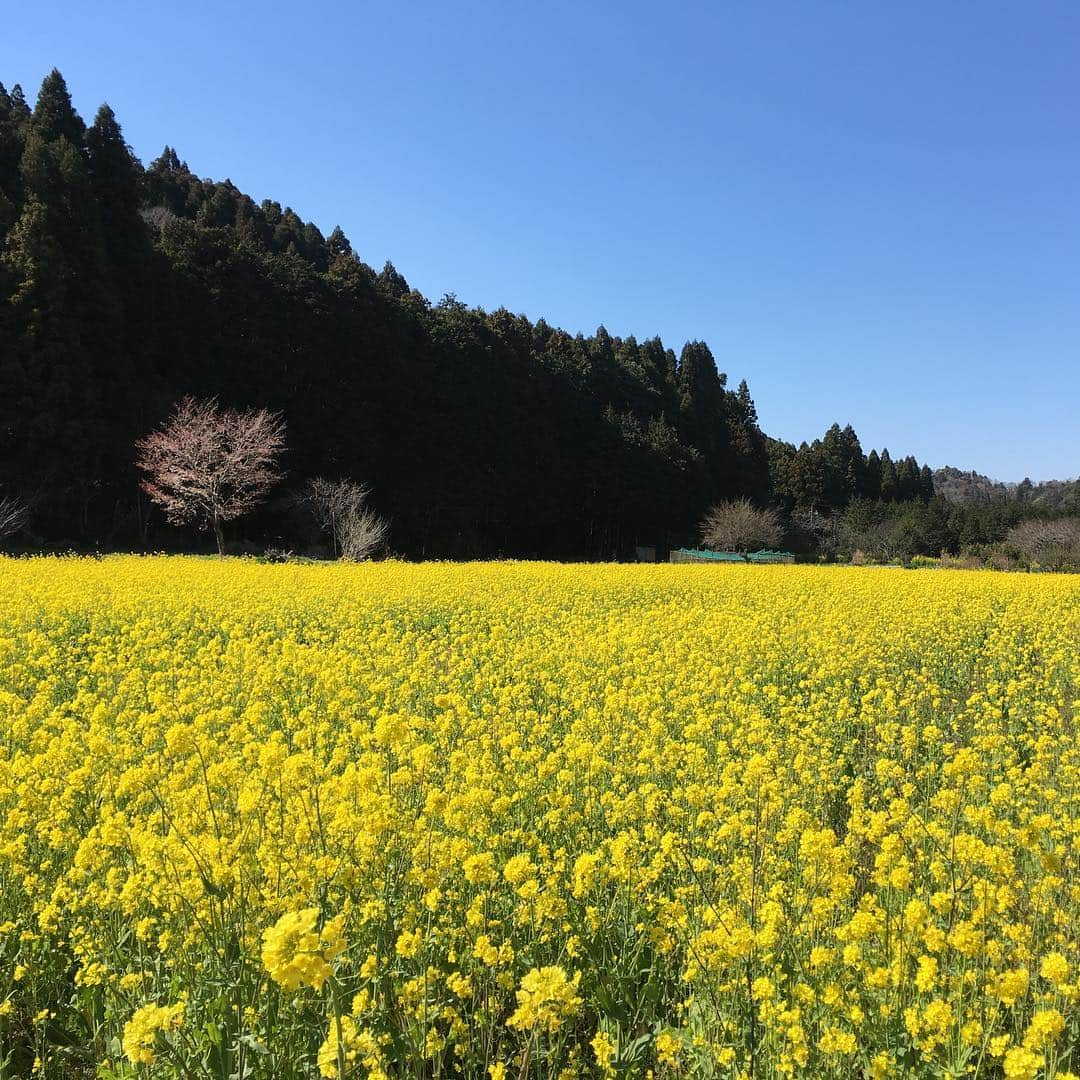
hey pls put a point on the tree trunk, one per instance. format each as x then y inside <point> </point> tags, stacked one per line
<point>219,536</point>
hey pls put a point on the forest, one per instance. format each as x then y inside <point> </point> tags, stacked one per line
<point>480,434</point>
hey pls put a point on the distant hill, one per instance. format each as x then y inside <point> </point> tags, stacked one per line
<point>1053,496</point>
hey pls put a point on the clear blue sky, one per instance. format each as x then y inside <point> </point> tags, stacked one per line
<point>870,210</point>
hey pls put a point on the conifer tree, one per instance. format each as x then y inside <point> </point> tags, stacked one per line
<point>889,485</point>
<point>926,483</point>
<point>54,116</point>
<point>339,244</point>
<point>747,409</point>
<point>115,174</point>
<point>20,110</point>
<point>11,146</point>
<point>701,394</point>
<point>871,486</point>
<point>62,312</point>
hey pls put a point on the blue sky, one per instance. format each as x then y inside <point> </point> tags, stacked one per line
<point>869,210</point>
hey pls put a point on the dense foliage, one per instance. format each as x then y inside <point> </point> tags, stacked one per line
<point>536,821</point>
<point>123,289</point>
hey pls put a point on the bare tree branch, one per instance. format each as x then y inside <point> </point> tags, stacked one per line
<point>1054,544</point>
<point>13,515</point>
<point>738,525</point>
<point>339,506</point>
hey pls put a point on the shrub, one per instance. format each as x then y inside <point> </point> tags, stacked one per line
<point>738,525</point>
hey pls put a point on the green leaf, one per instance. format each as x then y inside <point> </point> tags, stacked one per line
<point>253,1044</point>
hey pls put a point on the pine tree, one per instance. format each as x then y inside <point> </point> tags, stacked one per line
<point>115,175</point>
<point>747,409</point>
<point>907,480</point>
<point>704,419</point>
<point>11,148</point>
<point>871,486</point>
<point>854,464</point>
<point>20,110</point>
<point>808,476</point>
<point>926,483</point>
<point>834,465</point>
<point>54,116</point>
<point>391,282</point>
<point>339,244</point>
<point>889,486</point>
<point>62,314</point>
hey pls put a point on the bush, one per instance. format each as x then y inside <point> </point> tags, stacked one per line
<point>340,507</point>
<point>738,525</point>
<point>1048,545</point>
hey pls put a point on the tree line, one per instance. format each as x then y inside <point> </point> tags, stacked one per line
<point>124,289</point>
<point>1048,497</point>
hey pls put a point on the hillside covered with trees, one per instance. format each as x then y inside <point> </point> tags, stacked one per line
<point>1049,496</point>
<point>124,288</point>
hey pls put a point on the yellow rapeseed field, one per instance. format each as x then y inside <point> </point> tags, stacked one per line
<point>516,821</point>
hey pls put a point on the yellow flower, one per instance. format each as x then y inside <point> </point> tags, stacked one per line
<point>1022,1064</point>
<point>485,951</point>
<point>836,1041</point>
<point>545,999</point>
<point>1055,969</point>
<point>140,1032</point>
<point>880,1065</point>
<point>1010,986</point>
<point>1045,1028</point>
<point>409,943</point>
<point>295,954</point>
<point>518,869</point>
<point>604,1049</point>
<point>926,977</point>
<point>999,1044</point>
<point>668,1048</point>
<point>491,766</point>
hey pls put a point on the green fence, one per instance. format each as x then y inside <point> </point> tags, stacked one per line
<point>684,555</point>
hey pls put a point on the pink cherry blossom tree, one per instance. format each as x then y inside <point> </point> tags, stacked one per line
<point>207,465</point>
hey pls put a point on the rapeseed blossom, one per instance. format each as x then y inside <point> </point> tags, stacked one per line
<point>295,954</point>
<point>545,999</point>
<point>445,820</point>
<point>141,1031</point>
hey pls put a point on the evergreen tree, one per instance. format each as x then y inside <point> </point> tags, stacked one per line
<point>115,175</point>
<point>889,480</point>
<point>832,453</point>
<point>871,485</point>
<point>20,110</point>
<point>907,480</point>
<point>809,480</point>
<point>339,244</point>
<point>704,415</point>
<point>854,463</point>
<point>62,315</point>
<point>11,148</point>
<point>746,409</point>
<point>54,116</point>
<point>128,328</point>
<point>926,483</point>
<point>393,283</point>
